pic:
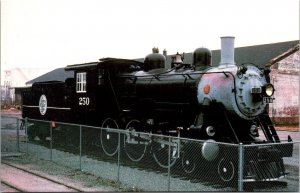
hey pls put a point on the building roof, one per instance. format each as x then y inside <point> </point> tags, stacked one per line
<point>58,74</point>
<point>283,55</point>
<point>260,55</point>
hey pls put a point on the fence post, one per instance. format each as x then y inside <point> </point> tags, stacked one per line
<point>241,167</point>
<point>18,135</point>
<point>169,163</point>
<point>26,132</point>
<point>119,142</point>
<point>80,146</point>
<point>51,141</point>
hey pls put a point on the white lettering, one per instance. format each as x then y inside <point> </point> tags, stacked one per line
<point>84,101</point>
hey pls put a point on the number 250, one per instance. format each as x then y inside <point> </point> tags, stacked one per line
<point>84,100</point>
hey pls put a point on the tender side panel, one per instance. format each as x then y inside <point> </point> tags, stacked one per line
<point>47,101</point>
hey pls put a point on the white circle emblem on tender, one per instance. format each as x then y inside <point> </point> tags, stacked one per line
<point>43,105</point>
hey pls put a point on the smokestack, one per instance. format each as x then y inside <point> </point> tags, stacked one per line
<point>227,52</point>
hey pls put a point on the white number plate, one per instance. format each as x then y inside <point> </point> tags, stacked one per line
<point>256,90</point>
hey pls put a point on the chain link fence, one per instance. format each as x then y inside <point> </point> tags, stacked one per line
<point>147,161</point>
<point>11,134</point>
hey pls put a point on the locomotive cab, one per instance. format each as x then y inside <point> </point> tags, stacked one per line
<point>95,92</point>
<point>84,92</point>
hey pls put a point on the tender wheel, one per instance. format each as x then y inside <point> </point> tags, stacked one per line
<point>160,150</point>
<point>109,138</point>
<point>42,131</point>
<point>226,170</point>
<point>188,163</point>
<point>135,146</point>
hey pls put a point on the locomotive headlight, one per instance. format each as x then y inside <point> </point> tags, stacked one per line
<point>268,90</point>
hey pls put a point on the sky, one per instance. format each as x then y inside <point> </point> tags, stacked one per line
<point>57,33</point>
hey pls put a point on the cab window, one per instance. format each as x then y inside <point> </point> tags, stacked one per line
<point>81,82</point>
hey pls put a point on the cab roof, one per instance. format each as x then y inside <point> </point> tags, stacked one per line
<point>106,63</point>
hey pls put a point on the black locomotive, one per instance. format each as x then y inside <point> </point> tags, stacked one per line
<point>214,104</point>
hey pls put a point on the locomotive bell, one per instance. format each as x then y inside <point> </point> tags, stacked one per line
<point>178,58</point>
<point>202,58</point>
<point>154,60</point>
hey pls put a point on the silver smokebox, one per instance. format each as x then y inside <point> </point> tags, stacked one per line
<point>227,52</point>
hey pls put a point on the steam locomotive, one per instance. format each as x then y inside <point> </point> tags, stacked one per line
<point>214,104</point>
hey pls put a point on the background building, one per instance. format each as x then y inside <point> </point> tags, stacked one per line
<point>16,78</point>
<point>285,78</point>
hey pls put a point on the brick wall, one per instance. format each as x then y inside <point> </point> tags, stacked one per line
<point>285,77</point>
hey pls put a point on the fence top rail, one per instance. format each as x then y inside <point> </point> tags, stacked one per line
<point>45,121</point>
<point>269,144</point>
<point>10,116</point>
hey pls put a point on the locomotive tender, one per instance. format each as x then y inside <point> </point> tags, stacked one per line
<point>214,104</point>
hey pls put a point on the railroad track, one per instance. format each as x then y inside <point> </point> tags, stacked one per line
<point>23,180</point>
<point>8,188</point>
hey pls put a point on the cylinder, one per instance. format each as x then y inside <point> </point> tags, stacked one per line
<point>227,51</point>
